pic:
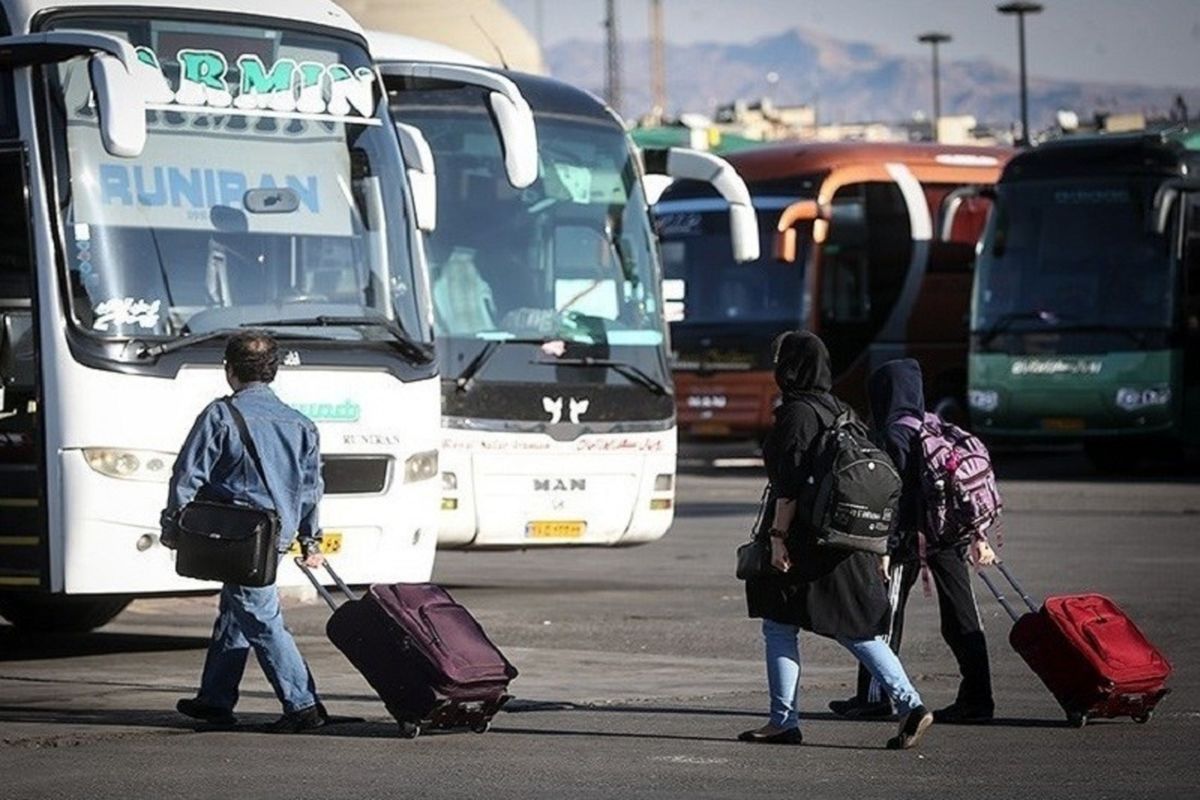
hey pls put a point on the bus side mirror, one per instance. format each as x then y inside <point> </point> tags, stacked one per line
<point>785,231</point>
<point>692,165</point>
<point>422,177</point>
<point>120,105</point>
<point>1164,200</point>
<point>511,113</point>
<point>951,204</point>
<point>120,100</point>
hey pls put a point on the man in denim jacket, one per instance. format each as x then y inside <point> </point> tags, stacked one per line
<point>213,464</point>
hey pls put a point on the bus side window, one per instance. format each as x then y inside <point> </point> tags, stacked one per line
<point>1191,264</point>
<point>8,106</point>
<point>17,373</point>
<point>15,268</point>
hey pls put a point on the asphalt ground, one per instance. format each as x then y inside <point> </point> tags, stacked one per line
<point>638,669</point>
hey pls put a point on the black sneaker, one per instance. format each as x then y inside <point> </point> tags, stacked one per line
<point>306,719</point>
<point>960,713</point>
<point>912,727</point>
<point>190,707</point>
<point>790,736</point>
<point>856,709</point>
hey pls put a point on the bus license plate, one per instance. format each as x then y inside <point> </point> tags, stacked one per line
<point>1062,424</point>
<point>331,544</point>
<point>711,429</point>
<point>556,529</point>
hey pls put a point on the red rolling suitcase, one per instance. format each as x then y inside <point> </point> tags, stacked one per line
<point>424,654</point>
<point>1090,655</point>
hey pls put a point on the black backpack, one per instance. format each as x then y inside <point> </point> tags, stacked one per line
<point>853,490</point>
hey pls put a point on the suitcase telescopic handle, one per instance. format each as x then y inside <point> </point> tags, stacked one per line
<point>321,590</point>
<point>1012,612</point>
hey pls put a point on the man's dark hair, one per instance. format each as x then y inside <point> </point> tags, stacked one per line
<point>253,356</point>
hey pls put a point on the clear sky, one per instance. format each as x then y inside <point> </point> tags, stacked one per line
<point>1155,42</point>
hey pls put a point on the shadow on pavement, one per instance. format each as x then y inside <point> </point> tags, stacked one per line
<point>519,706</point>
<point>21,646</point>
<point>132,718</point>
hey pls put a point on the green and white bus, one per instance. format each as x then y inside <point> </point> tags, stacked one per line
<point>1085,324</point>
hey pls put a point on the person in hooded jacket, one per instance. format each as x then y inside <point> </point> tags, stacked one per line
<point>895,392</point>
<point>834,593</point>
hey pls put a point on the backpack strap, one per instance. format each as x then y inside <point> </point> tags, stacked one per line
<point>911,421</point>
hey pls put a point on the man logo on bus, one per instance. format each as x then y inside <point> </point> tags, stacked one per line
<point>554,407</point>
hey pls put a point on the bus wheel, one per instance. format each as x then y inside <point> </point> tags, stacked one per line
<point>40,613</point>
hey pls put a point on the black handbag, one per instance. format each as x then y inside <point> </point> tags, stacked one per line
<point>754,556</point>
<point>229,542</point>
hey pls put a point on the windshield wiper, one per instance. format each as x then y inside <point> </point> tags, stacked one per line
<point>626,370</point>
<point>414,350</point>
<point>1136,335</point>
<point>1004,321</point>
<point>156,350</point>
<point>465,378</point>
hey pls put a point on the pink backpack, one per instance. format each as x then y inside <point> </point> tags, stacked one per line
<point>958,485</point>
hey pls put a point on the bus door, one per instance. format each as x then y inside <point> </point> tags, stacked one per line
<point>1191,321</point>
<point>864,263</point>
<point>23,542</point>
<point>937,327</point>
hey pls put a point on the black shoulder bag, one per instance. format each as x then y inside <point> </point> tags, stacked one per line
<point>754,557</point>
<point>229,542</point>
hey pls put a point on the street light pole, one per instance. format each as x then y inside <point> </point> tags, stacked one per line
<point>935,38</point>
<point>1021,9</point>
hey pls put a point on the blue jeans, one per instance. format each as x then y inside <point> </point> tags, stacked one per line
<point>251,617</point>
<point>783,671</point>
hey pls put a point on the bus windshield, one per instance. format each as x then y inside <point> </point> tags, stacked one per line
<point>1074,255</point>
<point>703,285</point>
<point>569,258</point>
<point>270,187</point>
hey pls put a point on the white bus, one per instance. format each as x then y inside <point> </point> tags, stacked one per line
<point>173,172</point>
<point>557,407</point>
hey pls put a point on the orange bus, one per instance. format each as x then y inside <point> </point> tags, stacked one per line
<point>869,245</point>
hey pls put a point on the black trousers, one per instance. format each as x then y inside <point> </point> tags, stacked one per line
<point>962,628</point>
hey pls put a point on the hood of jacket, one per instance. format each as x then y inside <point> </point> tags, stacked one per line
<point>894,390</point>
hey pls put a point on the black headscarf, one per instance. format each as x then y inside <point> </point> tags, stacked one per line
<point>802,365</point>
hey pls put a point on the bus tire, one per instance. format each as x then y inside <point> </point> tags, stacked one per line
<point>43,613</point>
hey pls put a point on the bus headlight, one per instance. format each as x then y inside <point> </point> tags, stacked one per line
<point>134,465</point>
<point>985,400</point>
<point>421,466</point>
<point>1130,399</point>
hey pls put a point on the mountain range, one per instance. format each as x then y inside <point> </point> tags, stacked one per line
<point>850,81</point>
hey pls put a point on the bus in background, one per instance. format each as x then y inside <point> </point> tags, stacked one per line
<point>175,172</point>
<point>874,246</point>
<point>558,414</point>
<point>1086,317</point>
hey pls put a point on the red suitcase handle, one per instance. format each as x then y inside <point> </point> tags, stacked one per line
<point>1012,612</point>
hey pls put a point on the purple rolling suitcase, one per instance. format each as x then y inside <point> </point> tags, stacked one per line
<point>424,654</point>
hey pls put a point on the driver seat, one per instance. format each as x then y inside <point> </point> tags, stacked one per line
<point>461,297</point>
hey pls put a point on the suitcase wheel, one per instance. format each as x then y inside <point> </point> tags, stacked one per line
<point>1076,719</point>
<point>482,726</point>
<point>1143,717</point>
<point>409,730</point>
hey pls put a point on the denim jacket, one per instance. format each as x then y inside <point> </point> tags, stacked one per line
<point>214,463</point>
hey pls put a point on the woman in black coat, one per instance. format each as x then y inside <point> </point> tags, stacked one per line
<point>835,593</point>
